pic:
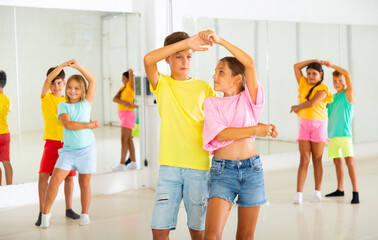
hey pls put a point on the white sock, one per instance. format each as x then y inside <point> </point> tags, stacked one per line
<point>84,219</point>
<point>45,221</point>
<point>298,198</point>
<point>317,197</point>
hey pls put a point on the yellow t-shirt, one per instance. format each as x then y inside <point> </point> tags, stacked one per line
<point>53,127</point>
<point>319,111</point>
<point>126,95</point>
<point>5,107</point>
<point>180,106</point>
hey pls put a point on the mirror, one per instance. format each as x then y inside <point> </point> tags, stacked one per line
<point>276,47</point>
<point>105,43</point>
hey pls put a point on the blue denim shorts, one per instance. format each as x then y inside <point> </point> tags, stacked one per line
<point>174,184</point>
<point>83,160</point>
<point>242,178</point>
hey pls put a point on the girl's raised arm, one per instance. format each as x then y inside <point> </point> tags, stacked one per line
<point>298,67</point>
<point>90,78</point>
<point>243,57</point>
<point>131,78</point>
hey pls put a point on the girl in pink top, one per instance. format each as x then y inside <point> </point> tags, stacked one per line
<point>231,122</point>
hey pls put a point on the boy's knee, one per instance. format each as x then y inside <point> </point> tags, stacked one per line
<point>337,161</point>
<point>349,161</point>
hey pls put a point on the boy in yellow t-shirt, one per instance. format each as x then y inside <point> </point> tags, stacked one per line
<point>184,163</point>
<point>53,135</point>
<point>5,106</point>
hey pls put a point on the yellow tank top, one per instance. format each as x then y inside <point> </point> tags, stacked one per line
<point>127,95</point>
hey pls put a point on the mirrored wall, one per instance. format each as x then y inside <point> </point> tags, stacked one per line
<point>35,39</point>
<point>276,47</point>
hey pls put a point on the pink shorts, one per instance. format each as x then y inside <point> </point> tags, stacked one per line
<point>313,130</point>
<point>128,118</point>
<point>4,146</point>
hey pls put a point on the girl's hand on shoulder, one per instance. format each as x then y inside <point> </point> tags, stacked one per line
<point>264,130</point>
<point>95,124</point>
<point>294,108</point>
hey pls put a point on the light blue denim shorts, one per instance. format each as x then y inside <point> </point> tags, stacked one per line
<point>83,160</point>
<point>242,178</point>
<point>174,184</point>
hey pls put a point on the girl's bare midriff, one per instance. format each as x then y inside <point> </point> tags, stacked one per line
<point>238,150</point>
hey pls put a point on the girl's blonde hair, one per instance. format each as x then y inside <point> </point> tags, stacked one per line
<point>83,86</point>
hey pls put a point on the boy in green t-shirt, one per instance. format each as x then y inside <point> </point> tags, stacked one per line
<point>340,116</point>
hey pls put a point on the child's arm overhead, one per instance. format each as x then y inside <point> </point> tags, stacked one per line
<point>152,58</point>
<point>349,92</point>
<point>131,78</point>
<point>89,76</point>
<point>298,67</point>
<point>318,97</point>
<point>243,57</point>
<point>47,84</point>
<point>71,125</point>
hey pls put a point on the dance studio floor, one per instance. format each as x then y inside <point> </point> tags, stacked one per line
<point>127,215</point>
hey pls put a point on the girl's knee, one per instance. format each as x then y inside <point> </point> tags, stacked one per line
<point>246,235</point>
<point>84,184</point>
<point>304,161</point>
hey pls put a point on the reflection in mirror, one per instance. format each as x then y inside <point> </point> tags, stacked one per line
<point>9,136</point>
<point>48,37</point>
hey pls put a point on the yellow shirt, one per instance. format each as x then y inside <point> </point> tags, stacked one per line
<point>126,95</point>
<point>5,107</point>
<point>180,106</point>
<point>319,111</point>
<point>53,127</point>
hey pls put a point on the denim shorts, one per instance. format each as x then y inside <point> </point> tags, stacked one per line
<point>242,178</point>
<point>83,160</point>
<point>174,184</point>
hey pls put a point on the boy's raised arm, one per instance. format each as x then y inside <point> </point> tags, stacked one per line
<point>349,92</point>
<point>152,58</point>
<point>47,84</point>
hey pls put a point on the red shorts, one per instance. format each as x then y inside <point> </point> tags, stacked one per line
<point>50,156</point>
<point>4,146</point>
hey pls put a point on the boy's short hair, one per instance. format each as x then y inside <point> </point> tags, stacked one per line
<point>3,79</point>
<point>175,37</point>
<point>61,75</point>
<point>336,73</point>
